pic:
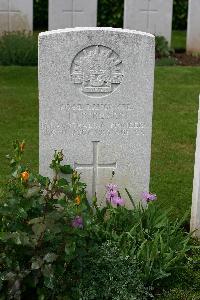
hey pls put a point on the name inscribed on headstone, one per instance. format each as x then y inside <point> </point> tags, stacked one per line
<point>104,120</point>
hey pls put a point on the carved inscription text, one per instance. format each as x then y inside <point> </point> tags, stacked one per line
<point>97,119</point>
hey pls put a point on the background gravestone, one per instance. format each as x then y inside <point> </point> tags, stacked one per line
<point>72,13</point>
<point>16,15</point>
<point>193,31</point>
<point>195,213</point>
<point>96,91</point>
<point>154,16</point>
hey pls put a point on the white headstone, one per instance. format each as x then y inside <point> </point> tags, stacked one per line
<point>154,16</point>
<point>96,92</point>
<point>72,13</point>
<point>16,15</point>
<point>195,212</point>
<point>193,30</point>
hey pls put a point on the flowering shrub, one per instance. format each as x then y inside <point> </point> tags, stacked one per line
<point>54,244</point>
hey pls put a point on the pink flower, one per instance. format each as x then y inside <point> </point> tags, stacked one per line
<point>77,222</point>
<point>111,191</point>
<point>111,194</point>
<point>111,187</point>
<point>148,197</point>
<point>118,201</point>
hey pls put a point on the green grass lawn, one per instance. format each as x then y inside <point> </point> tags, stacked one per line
<point>178,40</point>
<point>174,135</point>
<point>174,127</point>
<point>173,142</point>
<point>18,113</point>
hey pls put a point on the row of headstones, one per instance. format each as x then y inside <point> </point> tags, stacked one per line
<point>154,16</point>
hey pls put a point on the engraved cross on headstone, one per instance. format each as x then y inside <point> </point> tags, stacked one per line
<point>73,11</point>
<point>148,12</point>
<point>95,166</point>
<point>9,11</point>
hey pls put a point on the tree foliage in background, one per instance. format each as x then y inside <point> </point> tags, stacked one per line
<point>40,14</point>
<point>180,14</point>
<point>110,14</point>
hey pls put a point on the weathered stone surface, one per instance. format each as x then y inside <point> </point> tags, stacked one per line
<point>193,30</point>
<point>96,91</point>
<point>72,13</point>
<point>195,212</point>
<point>16,15</point>
<point>154,16</point>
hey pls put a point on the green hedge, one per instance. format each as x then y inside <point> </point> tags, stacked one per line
<point>18,48</point>
<point>110,13</point>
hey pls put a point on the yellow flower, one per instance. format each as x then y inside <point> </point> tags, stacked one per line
<point>78,200</point>
<point>75,173</point>
<point>25,176</point>
<point>21,146</point>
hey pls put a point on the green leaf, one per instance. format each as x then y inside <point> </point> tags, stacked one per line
<point>15,173</point>
<point>48,273</point>
<point>10,276</point>
<point>50,257</point>
<point>21,213</point>
<point>43,180</point>
<point>48,282</point>
<point>62,182</point>
<point>13,163</point>
<point>36,220</point>
<point>16,238</point>
<point>70,248</point>
<point>33,191</point>
<point>130,197</point>
<point>24,239</point>
<point>66,169</point>
<point>38,229</point>
<point>36,264</point>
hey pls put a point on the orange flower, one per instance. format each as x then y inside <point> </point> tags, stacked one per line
<point>25,176</point>
<point>78,200</point>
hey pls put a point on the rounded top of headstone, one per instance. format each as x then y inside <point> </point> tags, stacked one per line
<point>98,29</point>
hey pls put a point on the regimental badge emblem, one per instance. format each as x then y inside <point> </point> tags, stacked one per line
<point>97,70</point>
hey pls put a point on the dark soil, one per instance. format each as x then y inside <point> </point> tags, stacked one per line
<point>187,60</point>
